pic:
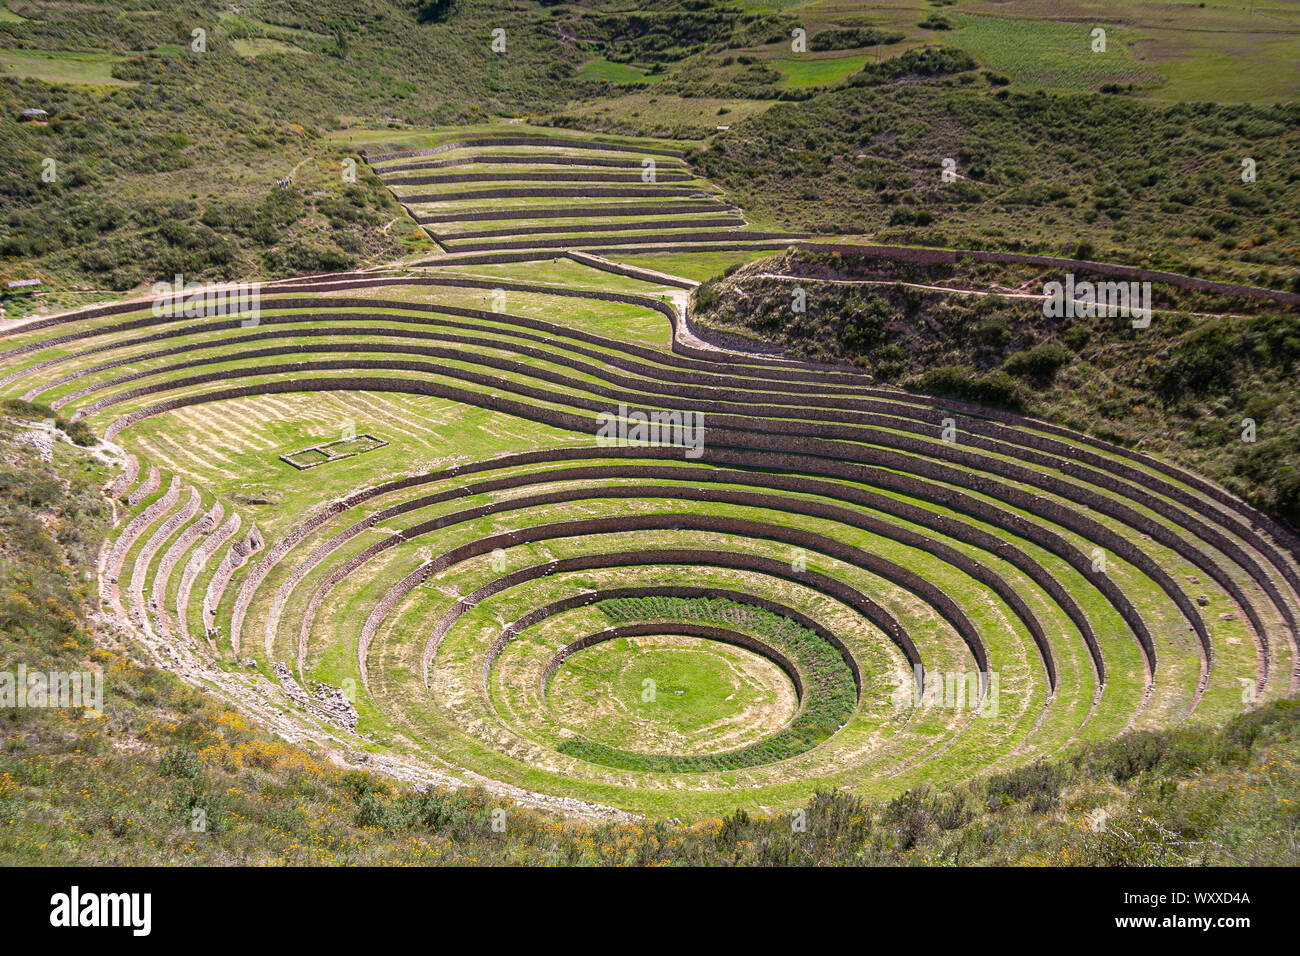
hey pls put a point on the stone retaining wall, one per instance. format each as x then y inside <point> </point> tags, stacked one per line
<point>130,469</point>
<point>824,584</point>
<point>1067,517</point>
<point>509,159</point>
<point>140,568</point>
<point>1072,491</point>
<point>703,235</point>
<point>122,546</point>
<point>576,212</point>
<point>593,227</point>
<point>438,179</point>
<point>558,192</point>
<point>554,141</point>
<point>786,441</point>
<point>720,634</point>
<point>147,487</point>
<point>587,598</point>
<point>179,548</point>
<point>198,561</point>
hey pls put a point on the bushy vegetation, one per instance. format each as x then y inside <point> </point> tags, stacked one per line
<point>1183,388</point>
<point>82,228</point>
<point>1039,363</point>
<point>40,600</point>
<point>79,432</point>
<point>176,172</point>
<point>996,388</point>
<point>935,21</point>
<point>667,31</point>
<point>849,38</point>
<point>136,198</point>
<point>1191,796</point>
<point>1244,367</point>
<point>1033,170</point>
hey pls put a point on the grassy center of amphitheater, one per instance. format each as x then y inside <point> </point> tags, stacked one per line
<point>671,694</point>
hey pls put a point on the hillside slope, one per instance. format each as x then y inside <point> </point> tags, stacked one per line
<point>1180,388</point>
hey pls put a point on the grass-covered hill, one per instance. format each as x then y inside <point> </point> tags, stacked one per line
<point>172,168</point>
<point>127,787</point>
<point>166,157</point>
<point>169,124</point>
<point>1036,171</point>
<point>1181,387</point>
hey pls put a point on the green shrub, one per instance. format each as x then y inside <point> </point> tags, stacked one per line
<point>1038,364</point>
<point>841,38</point>
<point>935,21</point>
<point>180,762</point>
<point>706,296</point>
<point>996,389</point>
<point>1040,781</point>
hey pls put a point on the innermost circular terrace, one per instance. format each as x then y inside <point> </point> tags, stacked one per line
<point>671,694</point>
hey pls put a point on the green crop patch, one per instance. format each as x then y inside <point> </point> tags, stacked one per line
<point>682,694</point>
<point>1063,56</point>
<point>819,72</point>
<point>58,66</point>
<point>619,74</point>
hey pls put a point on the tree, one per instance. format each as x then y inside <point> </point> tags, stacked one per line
<point>433,11</point>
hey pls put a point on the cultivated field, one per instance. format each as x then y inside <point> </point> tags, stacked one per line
<point>525,191</point>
